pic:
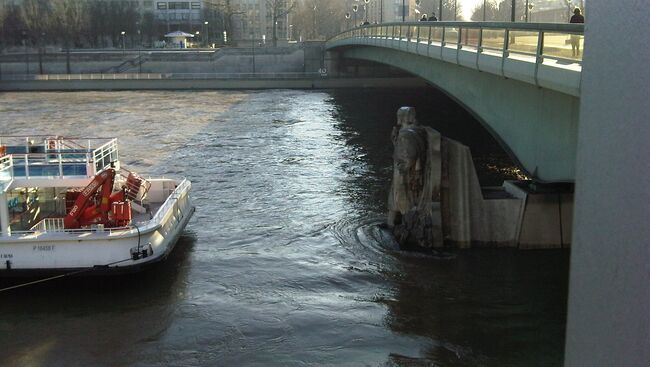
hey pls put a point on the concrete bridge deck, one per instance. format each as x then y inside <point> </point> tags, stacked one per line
<point>521,80</point>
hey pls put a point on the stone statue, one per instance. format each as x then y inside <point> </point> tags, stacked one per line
<point>414,199</point>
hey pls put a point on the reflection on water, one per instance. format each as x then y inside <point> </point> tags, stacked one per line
<point>284,262</point>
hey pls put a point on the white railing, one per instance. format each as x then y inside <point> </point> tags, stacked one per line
<point>57,157</point>
<point>49,225</point>
<point>172,200</point>
<point>104,155</point>
<point>6,172</point>
<point>56,224</point>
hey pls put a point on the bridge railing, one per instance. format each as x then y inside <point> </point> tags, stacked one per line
<point>537,40</point>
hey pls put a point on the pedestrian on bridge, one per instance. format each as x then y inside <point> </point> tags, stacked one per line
<point>575,38</point>
<point>433,18</point>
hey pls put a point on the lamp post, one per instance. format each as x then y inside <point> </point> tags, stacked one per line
<point>355,8</point>
<point>381,11</point>
<point>455,10</point>
<point>347,18</point>
<point>123,41</point>
<point>365,9</point>
<point>253,46</point>
<point>197,37</point>
<point>484,9</point>
<point>403,11</point>
<point>440,10</point>
<point>140,52</point>
<point>26,54</point>
<point>207,34</point>
<point>529,8</point>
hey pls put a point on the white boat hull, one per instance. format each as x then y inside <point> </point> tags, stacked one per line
<point>99,251</point>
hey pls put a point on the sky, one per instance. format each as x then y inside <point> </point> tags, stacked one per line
<point>468,6</point>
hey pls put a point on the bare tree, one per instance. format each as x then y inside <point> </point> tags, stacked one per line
<point>36,17</point>
<point>279,9</point>
<point>68,16</point>
<point>489,13</point>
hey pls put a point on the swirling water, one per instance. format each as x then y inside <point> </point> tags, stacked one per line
<point>284,263</point>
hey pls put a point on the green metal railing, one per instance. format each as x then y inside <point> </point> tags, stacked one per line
<point>540,40</point>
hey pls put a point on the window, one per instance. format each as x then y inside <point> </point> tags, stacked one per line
<point>148,4</point>
<point>179,5</point>
<point>196,5</point>
<point>161,6</point>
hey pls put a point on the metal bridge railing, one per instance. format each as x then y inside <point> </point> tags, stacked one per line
<point>538,40</point>
<point>162,76</point>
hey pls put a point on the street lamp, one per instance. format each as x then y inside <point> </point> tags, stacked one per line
<point>347,17</point>
<point>207,34</point>
<point>529,8</point>
<point>355,8</point>
<point>197,36</point>
<point>403,11</point>
<point>365,9</point>
<point>123,41</point>
<point>253,46</point>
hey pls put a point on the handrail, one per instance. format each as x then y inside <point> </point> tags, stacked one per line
<point>547,40</point>
<point>159,76</point>
<point>171,199</point>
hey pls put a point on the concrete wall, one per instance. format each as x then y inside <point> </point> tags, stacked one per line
<point>609,289</point>
<point>537,126</point>
<point>193,84</point>
<point>226,61</point>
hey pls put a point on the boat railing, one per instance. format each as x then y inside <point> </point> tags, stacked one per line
<point>58,157</point>
<point>53,164</point>
<point>105,155</point>
<point>171,200</point>
<point>56,225</point>
<point>6,172</point>
<point>49,225</point>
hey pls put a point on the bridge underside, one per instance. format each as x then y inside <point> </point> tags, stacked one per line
<point>537,126</point>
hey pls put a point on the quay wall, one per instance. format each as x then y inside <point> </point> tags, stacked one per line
<point>198,84</point>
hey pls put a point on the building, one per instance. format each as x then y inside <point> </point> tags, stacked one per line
<point>253,20</point>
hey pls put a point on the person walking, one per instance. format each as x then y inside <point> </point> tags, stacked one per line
<point>424,18</point>
<point>575,38</point>
<point>433,18</point>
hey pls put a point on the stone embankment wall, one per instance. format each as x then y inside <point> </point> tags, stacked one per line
<point>229,60</point>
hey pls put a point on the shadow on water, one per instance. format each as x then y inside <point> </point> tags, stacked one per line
<point>366,119</point>
<point>476,307</point>
<point>79,316</point>
<point>482,307</point>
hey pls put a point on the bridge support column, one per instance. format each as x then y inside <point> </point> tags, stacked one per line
<point>436,199</point>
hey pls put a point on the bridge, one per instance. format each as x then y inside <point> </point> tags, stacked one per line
<point>522,81</point>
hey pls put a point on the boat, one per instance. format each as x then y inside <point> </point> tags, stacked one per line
<point>68,207</point>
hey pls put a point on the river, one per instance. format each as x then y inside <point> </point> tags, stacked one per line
<point>284,263</point>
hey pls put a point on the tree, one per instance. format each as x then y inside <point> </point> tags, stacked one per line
<point>36,17</point>
<point>448,7</point>
<point>491,11</point>
<point>326,20</point>
<point>12,25</point>
<point>279,9</point>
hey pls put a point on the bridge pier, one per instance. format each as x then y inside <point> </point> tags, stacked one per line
<point>436,200</point>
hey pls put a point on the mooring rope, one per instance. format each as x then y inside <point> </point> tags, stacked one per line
<point>62,275</point>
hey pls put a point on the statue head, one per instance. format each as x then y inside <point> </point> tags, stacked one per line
<point>406,116</point>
